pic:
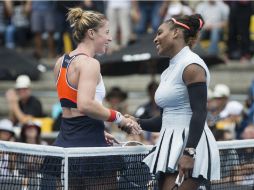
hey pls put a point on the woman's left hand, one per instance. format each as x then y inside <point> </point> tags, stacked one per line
<point>185,166</point>
<point>110,139</point>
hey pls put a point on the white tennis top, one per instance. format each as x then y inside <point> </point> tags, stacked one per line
<point>172,96</point>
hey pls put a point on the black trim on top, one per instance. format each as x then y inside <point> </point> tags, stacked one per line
<point>66,61</point>
<point>67,103</point>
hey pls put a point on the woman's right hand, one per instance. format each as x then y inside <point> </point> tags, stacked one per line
<point>130,126</point>
<point>185,165</point>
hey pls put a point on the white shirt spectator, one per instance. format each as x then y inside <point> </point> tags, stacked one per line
<point>177,8</point>
<point>213,11</point>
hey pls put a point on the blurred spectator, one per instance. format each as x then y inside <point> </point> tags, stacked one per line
<point>248,132</point>
<point>31,133</point>
<point>210,101</point>
<point>239,30</point>
<point>64,42</point>
<point>22,105</point>
<point>233,110</point>
<point>43,20</point>
<point>2,22</point>
<point>57,116</point>
<point>30,164</point>
<point>229,158</point>
<point>174,8</point>
<point>212,116</point>
<point>249,116</point>
<point>150,108</point>
<point>148,13</point>
<point>118,14</point>
<point>221,95</point>
<point>217,101</point>
<point>138,138</point>
<point>215,14</point>
<point>116,99</point>
<point>7,160</point>
<point>154,138</point>
<point>6,130</point>
<point>247,159</point>
<point>94,6</point>
<point>231,118</point>
<point>223,135</point>
<point>17,31</point>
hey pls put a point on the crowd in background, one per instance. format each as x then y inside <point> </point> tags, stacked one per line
<point>228,119</point>
<point>228,22</point>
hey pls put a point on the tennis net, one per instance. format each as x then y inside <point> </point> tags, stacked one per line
<point>39,167</point>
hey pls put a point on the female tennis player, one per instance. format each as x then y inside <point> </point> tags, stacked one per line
<point>81,91</point>
<point>80,85</point>
<point>186,153</point>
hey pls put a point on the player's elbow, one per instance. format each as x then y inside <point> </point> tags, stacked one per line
<point>85,106</point>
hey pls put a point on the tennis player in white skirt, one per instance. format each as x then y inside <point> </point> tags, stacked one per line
<point>186,154</point>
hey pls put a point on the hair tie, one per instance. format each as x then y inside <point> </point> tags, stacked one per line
<point>200,23</point>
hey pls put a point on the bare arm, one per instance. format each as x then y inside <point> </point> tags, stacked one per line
<point>57,67</point>
<point>194,73</point>
<point>88,79</point>
<point>15,111</point>
<point>8,6</point>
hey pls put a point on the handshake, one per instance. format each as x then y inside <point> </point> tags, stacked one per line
<point>129,125</point>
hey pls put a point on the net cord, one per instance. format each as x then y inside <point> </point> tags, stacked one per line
<point>44,150</point>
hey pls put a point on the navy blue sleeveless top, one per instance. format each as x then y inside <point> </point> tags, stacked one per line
<point>82,131</point>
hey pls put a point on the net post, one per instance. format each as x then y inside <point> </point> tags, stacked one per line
<point>66,184</point>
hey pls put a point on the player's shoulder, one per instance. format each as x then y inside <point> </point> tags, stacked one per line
<point>88,60</point>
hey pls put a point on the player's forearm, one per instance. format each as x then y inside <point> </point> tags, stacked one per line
<point>21,117</point>
<point>95,110</point>
<point>152,124</point>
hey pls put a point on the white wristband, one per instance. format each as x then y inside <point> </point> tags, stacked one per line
<point>119,118</point>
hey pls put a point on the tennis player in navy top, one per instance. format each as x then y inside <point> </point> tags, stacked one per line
<point>80,85</point>
<point>81,92</point>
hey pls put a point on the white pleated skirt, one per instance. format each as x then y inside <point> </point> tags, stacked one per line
<point>169,148</point>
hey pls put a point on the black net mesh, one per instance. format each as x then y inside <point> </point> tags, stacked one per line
<point>110,172</point>
<point>26,171</point>
<point>237,170</point>
<point>33,172</point>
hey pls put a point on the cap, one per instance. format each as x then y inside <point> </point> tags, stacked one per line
<point>220,91</point>
<point>32,124</point>
<point>209,94</point>
<point>6,125</point>
<point>232,108</point>
<point>23,81</point>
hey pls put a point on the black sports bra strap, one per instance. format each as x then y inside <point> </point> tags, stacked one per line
<point>67,59</point>
<point>65,62</point>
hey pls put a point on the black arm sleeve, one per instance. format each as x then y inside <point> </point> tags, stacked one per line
<point>152,125</point>
<point>198,102</point>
